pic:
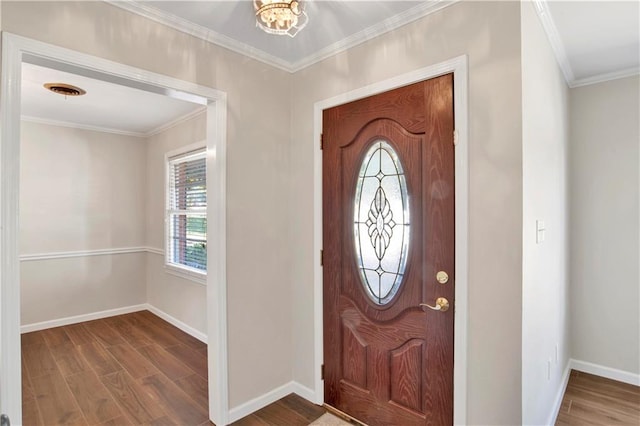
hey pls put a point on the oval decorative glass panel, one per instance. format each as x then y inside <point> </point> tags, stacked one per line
<point>381,222</point>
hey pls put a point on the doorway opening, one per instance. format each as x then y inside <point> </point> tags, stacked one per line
<point>92,206</point>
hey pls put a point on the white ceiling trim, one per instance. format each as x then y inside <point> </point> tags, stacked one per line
<point>601,78</point>
<point>554,39</point>
<point>175,122</point>
<point>561,54</point>
<point>71,125</point>
<point>200,32</point>
<point>373,31</point>
<point>214,37</point>
<point>148,134</point>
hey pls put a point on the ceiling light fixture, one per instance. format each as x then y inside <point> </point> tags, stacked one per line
<point>280,16</point>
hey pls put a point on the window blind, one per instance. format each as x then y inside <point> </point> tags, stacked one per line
<point>187,211</point>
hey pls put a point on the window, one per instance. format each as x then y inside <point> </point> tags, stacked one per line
<point>381,223</point>
<point>186,213</point>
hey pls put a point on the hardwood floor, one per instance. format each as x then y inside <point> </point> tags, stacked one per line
<point>291,410</point>
<point>129,369</point>
<point>138,369</point>
<point>593,400</point>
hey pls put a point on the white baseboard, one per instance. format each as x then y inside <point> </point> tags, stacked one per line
<point>607,372</point>
<point>81,318</point>
<point>262,401</point>
<point>113,312</point>
<point>304,392</point>
<point>595,369</point>
<point>560,395</point>
<point>177,323</point>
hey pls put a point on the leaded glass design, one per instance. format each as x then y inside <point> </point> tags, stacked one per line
<point>381,222</point>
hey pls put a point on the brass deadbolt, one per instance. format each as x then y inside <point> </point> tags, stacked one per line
<point>442,277</point>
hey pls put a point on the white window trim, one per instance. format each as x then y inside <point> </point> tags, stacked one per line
<point>196,277</point>
<point>171,268</point>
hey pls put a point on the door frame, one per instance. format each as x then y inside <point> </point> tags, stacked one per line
<point>14,50</point>
<point>459,67</point>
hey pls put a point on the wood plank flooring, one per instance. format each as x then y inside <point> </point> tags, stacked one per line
<point>291,410</point>
<point>593,400</point>
<point>129,369</point>
<point>138,369</point>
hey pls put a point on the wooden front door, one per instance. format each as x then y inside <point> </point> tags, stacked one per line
<point>388,237</point>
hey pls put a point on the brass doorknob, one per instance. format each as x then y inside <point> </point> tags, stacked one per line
<point>442,305</point>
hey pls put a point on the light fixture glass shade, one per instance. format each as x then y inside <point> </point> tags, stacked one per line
<point>280,16</point>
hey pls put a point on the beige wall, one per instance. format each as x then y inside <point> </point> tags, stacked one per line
<point>79,190</point>
<point>490,34</point>
<point>258,249</point>
<point>517,154</point>
<point>605,230</point>
<point>60,288</point>
<point>545,281</point>
<point>181,298</point>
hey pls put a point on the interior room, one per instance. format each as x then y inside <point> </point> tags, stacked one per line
<point>93,160</point>
<point>120,208</point>
<point>466,172</point>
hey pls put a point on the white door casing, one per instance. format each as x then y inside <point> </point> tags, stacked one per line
<point>15,50</point>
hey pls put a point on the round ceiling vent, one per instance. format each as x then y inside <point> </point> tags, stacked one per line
<point>64,89</point>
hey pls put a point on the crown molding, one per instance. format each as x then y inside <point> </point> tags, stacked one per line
<point>71,125</point>
<point>542,9</point>
<point>601,78</point>
<point>164,127</point>
<point>244,49</point>
<point>200,32</point>
<point>173,123</point>
<point>390,24</point>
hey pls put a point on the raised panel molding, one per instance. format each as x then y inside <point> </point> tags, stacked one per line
<point>405,366</point>
<point>354,356</point>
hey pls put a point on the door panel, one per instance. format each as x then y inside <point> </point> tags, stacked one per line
<point>387,360</point>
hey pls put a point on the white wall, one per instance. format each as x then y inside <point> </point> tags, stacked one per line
<point>181,298</point>
<point>258,242</point>
<point>605,229</point>
<point>545,280</point>
<point>489,32</point>
<point>80,191</point>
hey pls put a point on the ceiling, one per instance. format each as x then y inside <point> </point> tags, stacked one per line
<point>106,107</point>
<point>592,40</point>
<point>330,23</point>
